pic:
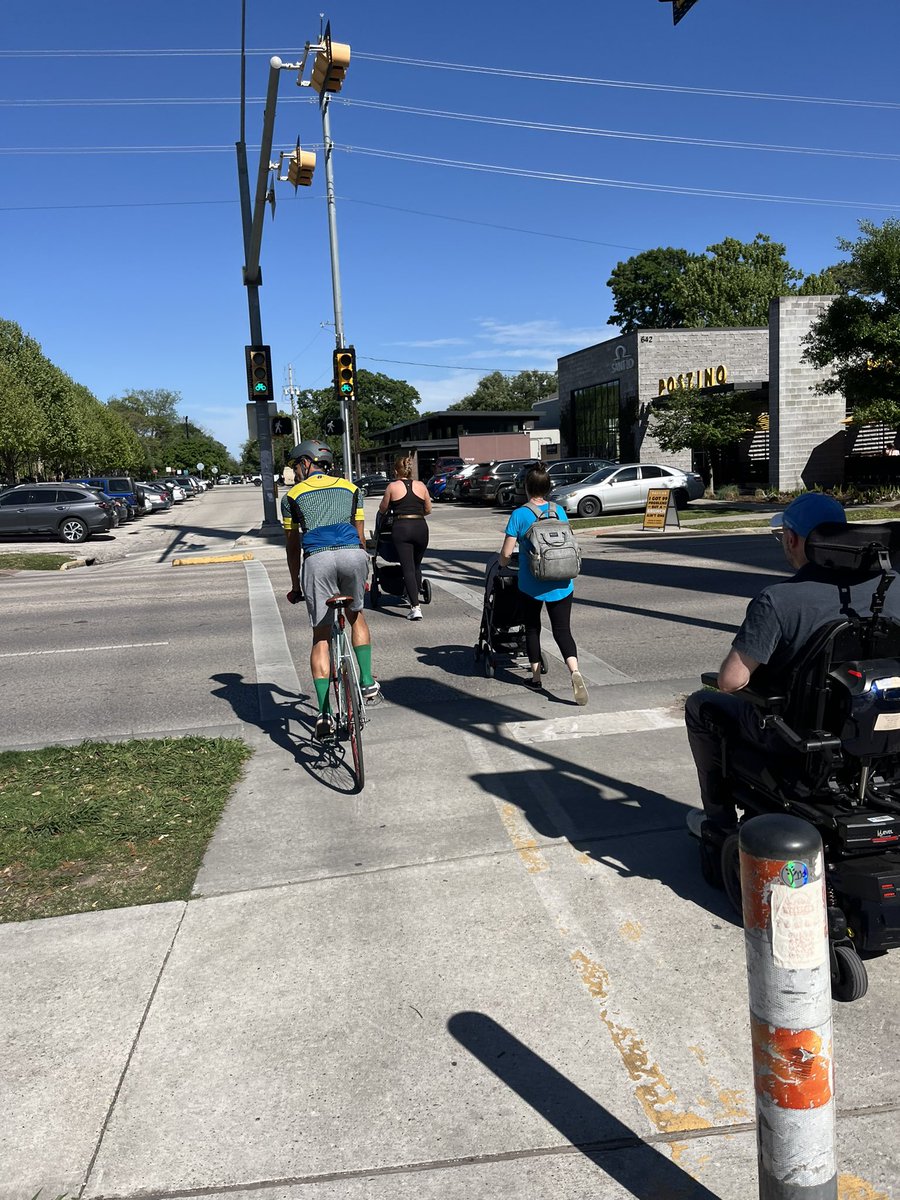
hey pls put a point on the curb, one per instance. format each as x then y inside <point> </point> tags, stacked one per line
<point>77,562</point>
<point>223,558</point>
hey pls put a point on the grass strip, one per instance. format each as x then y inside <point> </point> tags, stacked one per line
<point>105,825</point>
<point>33,562</point>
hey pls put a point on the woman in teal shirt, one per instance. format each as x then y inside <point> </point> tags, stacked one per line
<point>535,593</point>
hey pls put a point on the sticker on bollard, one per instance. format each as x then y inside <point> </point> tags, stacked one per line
<point>789,983</point>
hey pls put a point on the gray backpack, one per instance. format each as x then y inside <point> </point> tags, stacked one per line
<point>553,552</point>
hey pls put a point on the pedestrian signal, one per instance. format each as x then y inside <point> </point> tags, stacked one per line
<point>281,426</point>
<point>334,427</point>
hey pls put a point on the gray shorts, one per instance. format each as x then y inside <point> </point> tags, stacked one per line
<point>334,573</point>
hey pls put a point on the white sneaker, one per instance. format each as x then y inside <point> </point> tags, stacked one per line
<point>414,614</point>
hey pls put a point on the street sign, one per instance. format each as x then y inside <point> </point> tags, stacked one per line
<point>215,470</point>
<point>251,418</point>
<point>660,511</point>
<point>199,466</point>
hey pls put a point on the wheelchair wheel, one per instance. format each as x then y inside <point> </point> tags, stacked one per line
<point>731,873</point>
<point>426,591</point>
<point>849,980</point>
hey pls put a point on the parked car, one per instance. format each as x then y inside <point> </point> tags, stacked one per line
<point>437,485</point>
<point>156,495</point>
<point>174,490</point>
<point>563,472</point>
<point>121,486</point>
<point>447,464</point>
<point>373,485</point>
<point>70,512</point>
<point>622,487</point>
<point>487,483</point>
<point>460,481</point>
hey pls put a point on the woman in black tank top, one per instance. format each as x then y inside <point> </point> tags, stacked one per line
<point>408,500</point>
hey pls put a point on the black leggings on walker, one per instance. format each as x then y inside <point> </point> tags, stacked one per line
<point>411,541</point>
<point>560,613</point>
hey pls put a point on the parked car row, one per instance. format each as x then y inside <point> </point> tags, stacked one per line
<point>584,487</point>
<point>75,509</point>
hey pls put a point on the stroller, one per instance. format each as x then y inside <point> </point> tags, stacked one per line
<point>387,575</point>
<point>502,630</point>
<point>839,721</point>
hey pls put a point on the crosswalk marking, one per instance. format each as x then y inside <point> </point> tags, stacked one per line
<point>597,724</point>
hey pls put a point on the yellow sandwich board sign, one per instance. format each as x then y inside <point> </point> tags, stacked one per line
<point>660,511</point>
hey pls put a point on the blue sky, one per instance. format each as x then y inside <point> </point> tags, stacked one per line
<point>123,258</point>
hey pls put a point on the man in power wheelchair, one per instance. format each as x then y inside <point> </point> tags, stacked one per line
<point>804,717</point>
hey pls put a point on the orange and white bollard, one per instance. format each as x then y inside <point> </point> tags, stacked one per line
<point>789,978</point>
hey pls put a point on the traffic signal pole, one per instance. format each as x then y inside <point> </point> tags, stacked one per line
<point>335,271</point>
<point>253,227</point>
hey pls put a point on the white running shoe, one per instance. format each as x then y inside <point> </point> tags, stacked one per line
<point>414,614</point>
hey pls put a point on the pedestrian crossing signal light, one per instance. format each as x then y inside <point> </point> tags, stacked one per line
<point>259,372</point>
<point>334,427</point>
<point>345,371</point>
<point>330,67</point>
<point>301,165</point>
<point>281,426</point>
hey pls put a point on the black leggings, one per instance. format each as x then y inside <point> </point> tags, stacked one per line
<point>411,542</point>
<point>560,613</point>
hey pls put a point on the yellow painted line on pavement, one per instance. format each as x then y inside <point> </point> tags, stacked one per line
<point>245,556</point>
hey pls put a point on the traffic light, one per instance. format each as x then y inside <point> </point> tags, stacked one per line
<point>345,371</point>
<point>301,165</point>
<point>330,67</point>
<point>334,427</point>
<point>281,426</point>
<point>259,372</point>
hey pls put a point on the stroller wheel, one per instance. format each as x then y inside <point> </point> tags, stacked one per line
<point>478,652</point>
<point>488,667</point>
<point>426,591</point>
<point>543,665</point>
<point>849,980</point>
<point>731,872</point>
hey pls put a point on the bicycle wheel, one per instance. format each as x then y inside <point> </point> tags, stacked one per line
<point>354,723</point>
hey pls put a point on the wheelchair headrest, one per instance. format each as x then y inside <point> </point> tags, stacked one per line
<point>853,547</point>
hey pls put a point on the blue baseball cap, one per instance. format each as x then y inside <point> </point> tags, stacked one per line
<point>808,511</point>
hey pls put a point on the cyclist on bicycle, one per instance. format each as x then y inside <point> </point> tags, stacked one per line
<point>327,512</point>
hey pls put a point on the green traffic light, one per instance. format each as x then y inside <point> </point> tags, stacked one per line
<point>345,387</point>
<point>260,387</point>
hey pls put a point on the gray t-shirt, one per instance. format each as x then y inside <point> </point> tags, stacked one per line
<point>783,617</point>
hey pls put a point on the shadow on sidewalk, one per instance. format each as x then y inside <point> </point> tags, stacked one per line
<point>642,1170</point>
<point>619,824</point>
<point>291,729</point>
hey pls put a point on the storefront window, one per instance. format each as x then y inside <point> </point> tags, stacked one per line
<point>595,421</point>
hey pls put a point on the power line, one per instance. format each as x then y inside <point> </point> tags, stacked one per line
<point>625,135</point>
<point>556,77</point>
<point>631,185</point>
<point>402,362</point>
<point>563,237</point>
<point>551,77</point>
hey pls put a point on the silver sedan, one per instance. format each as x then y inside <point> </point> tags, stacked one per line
<point>614,489</point>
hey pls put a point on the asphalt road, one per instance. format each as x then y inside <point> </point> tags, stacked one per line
<point>496,971</point>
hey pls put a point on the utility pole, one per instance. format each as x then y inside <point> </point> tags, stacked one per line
<point>252,224</point>
<point>293,393</point>
<point>335,269</point>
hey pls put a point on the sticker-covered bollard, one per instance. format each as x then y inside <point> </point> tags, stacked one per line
<point>789,977</point>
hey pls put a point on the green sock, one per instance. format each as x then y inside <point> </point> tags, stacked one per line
<point>364,659</point>
<point>321,686</point>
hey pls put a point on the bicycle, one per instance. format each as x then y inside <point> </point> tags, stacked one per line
<point>349,706</point>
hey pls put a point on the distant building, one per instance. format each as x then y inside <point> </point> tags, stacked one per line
<point>441,434</point>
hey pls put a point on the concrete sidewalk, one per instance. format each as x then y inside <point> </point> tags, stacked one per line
<point>496,972</point>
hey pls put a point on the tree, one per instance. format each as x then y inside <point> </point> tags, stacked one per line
<point>688,419</point>
<point>858,335</point>
<point>734,285</point>
<point>151,412</point>
<point>20,426</point>
<point>645,289</point>
<point>497,392</point>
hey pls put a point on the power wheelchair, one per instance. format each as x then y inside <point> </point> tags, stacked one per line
<point>832,757</point>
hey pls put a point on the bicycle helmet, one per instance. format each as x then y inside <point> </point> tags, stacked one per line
<point>314,450</point>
